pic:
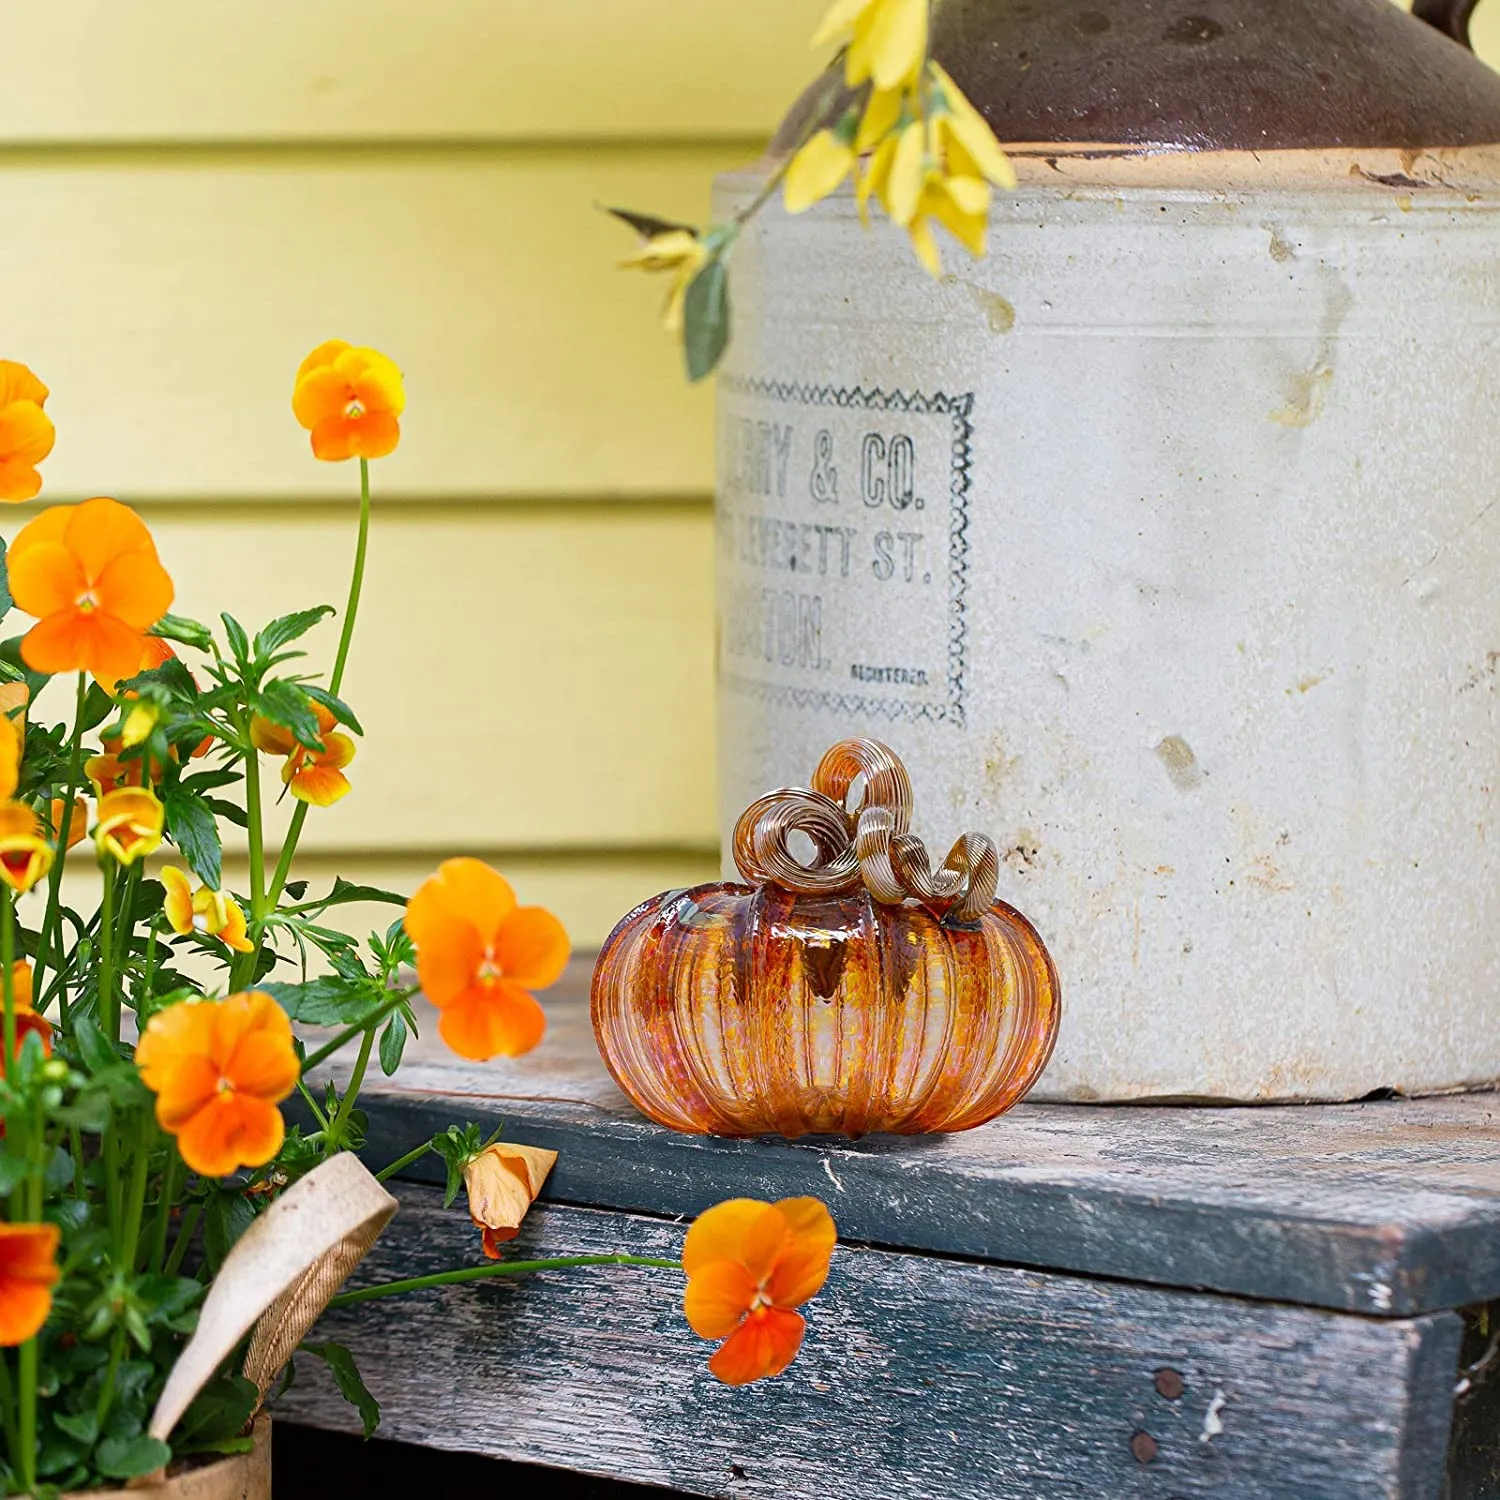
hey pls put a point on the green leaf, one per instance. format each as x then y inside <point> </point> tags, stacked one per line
<point>288,628</point>
<point>285,703</point>
<point>217,1414</point>
<point>227,1217</point>
<point>329,1001</point>
<point>239,642</point>
<point>13,1169</point>
<point>648,225</point>
<point>184,631</point>
<point>345,1373</point>
<point>97,707</point>
<point>129,1458</point>
<point>345,891</point>
<point>340,710</point>
<point>392,1044</point>
<point>191,826</point>
<point>5,600</point>
<point>93,1046</point>
<point>82,1427</point>
<point>705,312</point>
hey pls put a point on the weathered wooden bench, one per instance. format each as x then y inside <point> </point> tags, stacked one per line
<point>1100,1302</point>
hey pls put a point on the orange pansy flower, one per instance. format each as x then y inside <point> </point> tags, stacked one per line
<point>501,1182</point>
<point>478,957</point>
<point>130,825</point>
<point>349,400</point>
<point>211,912</point>
<point>78,824</point>
<point>218,1069</point>
<point>315,776</point>
<point>26,431</point>
<point>749,1265</point>
<point>109,772</point>
<point>90,575</point>
<point>25,856</point>
<point>27,1020</point>
<point>28,1272</point>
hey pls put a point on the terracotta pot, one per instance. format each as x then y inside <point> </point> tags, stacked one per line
<point>243,1476</point>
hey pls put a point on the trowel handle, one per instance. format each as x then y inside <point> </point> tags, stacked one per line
<point>1451,17</point>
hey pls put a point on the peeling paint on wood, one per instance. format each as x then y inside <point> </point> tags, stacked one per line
<point>922,1378</point>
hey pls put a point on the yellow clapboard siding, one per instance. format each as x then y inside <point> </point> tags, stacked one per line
<point>589,892</point>
<point>105,70</point>
<point>529,677</point>
<point>168,301</point>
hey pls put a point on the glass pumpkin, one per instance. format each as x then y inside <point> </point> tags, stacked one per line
<point>808,1004</point>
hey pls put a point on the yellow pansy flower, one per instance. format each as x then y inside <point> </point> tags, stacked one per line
<point>131,820</point>
<point>211,912</point>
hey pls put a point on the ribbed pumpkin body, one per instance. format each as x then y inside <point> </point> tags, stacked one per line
<point>726,1010</point>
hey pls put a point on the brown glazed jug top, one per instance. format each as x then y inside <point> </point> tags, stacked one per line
<point>1219,75</point>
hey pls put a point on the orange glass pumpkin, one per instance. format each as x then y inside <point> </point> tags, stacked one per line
<point>860,992</point>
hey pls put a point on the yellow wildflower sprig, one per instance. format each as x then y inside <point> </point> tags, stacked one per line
<point>890,117</point>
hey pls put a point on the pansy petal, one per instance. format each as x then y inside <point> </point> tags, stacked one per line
<point>50,525</point>
<point>232,1131</point>
<point>185,1087</point>
<point>135,588</point>
<point>764,1346</point>
<point>492,1021</point>
<point>177,906</point>
<point>333,439</point>
<point>318,785</point>
<point>719,1233</point>
<point>17,383</point>
<point>717,1299</point>
<point>376,381</point>
<point>71,641</point>
<point>449,953</point>
<point>325,354</point>
<point>319,394</point>
<point>18,482</point>
<point>24,1306</point>
<point>101,530</point>
<point>374,435</point>
<point>26,433</point>
<point>802,1267</point>
<point>532,948</point>
<point>466,890</point>
<point>45,577</point>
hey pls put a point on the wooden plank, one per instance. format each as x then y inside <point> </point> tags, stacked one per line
<point>528,677</point>
<point>175,70</point>
<point>169,299</point>
<point>920,1379</point>
<point>1386,1209</point>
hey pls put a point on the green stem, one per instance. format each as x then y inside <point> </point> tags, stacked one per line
<point>8,1412</point>
<point>7,962</point>
<point>184,1239</point>
<point>171,1179</point>
<point>49,939</point>
<point>109,1005</point>
<point>404,1161</point>
<point>347,1035</point>
<point>335,1133</point>
<point>312,1104</point>
<point>356,583</point>
<point>504,1268</point>
<point>107,1390</point>
<point>135,1204</point>
<point>26,1434</point>
<point>346,637</point>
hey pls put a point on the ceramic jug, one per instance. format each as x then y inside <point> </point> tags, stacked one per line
<point>1165,541</point>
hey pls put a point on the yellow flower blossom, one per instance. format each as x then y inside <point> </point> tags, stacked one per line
<point>679,251</point>
<point>25,856</point>
<point>886,39</point>
<point>817,169</point>
<point>131,820</point>
<point>962,136</point>
<point>139,723</point>
<point>211,912</point>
